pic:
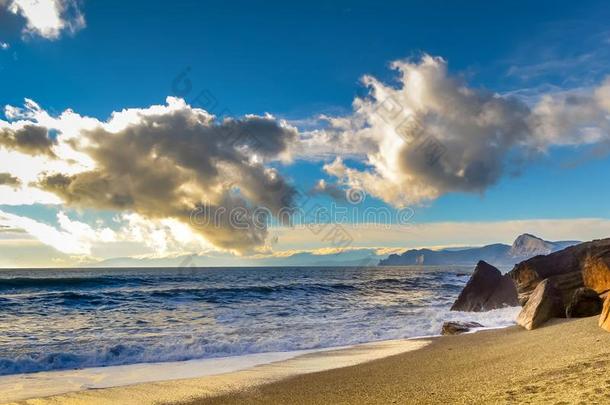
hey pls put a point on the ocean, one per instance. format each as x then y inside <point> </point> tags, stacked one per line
<point>80,318</point>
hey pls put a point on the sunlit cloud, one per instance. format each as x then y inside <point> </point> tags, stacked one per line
<point>47,18</point>
<point>433,134</point>
<point>164,162</point>
<point>61,240</point>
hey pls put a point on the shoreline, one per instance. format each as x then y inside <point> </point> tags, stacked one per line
<point>54,383</point>
<point>175,382</point>
<point>565,361</point>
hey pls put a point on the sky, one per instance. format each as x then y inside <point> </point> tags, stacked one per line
<point>146,132</point>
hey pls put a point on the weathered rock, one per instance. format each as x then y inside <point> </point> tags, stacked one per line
<point>584,302</point>
<point>544,303</point>
<point>487,289</point>
<point>457,327</point>
<point>596,270</point>
<point>582,265</point>
<point>604,318</point>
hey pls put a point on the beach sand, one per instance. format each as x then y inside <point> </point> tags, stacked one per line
<point>564,362</point>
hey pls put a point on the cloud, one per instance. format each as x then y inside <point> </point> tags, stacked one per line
<point>164,237</point>
<point>47,18</point>
<point>4,45</point>
<point>29,139</point>
<point>6,179</point>
<point>136,234</point>
<point>432,134</point>
<point>322,187</point>
<point>574,117</point>
<point>170,161</point>
<point>131,235</point>
<point>428,135</point>
<point>60,240</point>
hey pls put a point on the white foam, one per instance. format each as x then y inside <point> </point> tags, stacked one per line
<point>50,383</point>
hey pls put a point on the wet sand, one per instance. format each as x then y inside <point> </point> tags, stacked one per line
<point>564,362</point>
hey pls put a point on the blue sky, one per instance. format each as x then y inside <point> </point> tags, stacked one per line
<point>293,60</point>
<point>298,61</point>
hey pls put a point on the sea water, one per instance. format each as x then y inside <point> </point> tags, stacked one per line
<point>79,318</point>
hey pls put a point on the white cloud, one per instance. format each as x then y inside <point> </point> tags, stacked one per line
<point>4,45</point>
<point>433,134</point>
<point>163,237</point>
<point>161,162</point>
<point>61,240</point>
<point>574,117</point>
<point>48,18</point>
<point>135,236</point>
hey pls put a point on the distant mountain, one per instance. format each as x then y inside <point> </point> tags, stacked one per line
<point>527,245</point>
<point>524,247</point>
<point>355,257</point>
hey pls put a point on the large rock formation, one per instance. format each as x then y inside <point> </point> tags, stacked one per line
<point>583,265</point>
<point>487,289</point>
<point>458,327</point>
<point>596,269</point>
<point>584,302</point>
<point>544,303</point>
<point>604,318</point>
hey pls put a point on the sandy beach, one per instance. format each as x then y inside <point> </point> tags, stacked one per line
<point>566,361</point>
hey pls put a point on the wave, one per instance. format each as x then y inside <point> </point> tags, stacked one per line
<point>77,319</point>
<point>188,347</point>
<point>17,283</point>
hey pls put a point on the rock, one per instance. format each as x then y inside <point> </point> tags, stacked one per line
<point>544,303</point>
<point>457,327</point>
<point>604,318</point>
<point>596,271</point>
<point>487,289</point>
<point>582,265</point>
<point>584,302</point>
